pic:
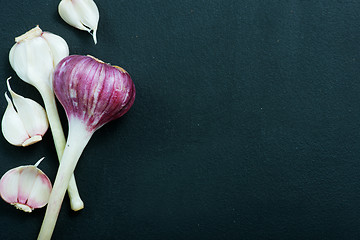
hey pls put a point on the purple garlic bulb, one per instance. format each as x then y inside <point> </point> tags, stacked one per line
<point>93,91</point>
<point>92,94</point>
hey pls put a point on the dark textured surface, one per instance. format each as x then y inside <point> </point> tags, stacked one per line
<point>245,125</point>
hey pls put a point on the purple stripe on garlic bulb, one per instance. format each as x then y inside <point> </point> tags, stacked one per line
<point>92,93</point>
<point>26,187</point>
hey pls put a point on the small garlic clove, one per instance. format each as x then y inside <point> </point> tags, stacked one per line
<point>68,13</point>
<point>81,14</point>
<point>26,187</point>
<point>27,124</point>
<point>58,46</point>
<point>9,186</point>
<point>33,114</point>
<point>19,63</point>
<point>26,181</point>
<point>12,127</point>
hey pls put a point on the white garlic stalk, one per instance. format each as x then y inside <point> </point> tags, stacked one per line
<point>81,14</point>
<point>26,124</point>
<point>34,57</point>
<point>26,187</point>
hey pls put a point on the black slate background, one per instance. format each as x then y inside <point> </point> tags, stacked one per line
<point>245,125</point>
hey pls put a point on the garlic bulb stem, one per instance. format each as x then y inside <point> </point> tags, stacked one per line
<point>92,94</point>
<point>78,138</point>
<point>59,140</point>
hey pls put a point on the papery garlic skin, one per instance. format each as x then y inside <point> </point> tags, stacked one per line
<point>26,187</point>
<point>81,14</point>
<point>27,124</point>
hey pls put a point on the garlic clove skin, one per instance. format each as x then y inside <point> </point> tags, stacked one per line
<point>27,124</point>
<point>35,55</point>
<point>26,187</point>
<point>81,14</point>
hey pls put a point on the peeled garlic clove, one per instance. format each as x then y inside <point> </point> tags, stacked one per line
<point>27,124</point>
<point>26,187</point>
<point>81,14</point>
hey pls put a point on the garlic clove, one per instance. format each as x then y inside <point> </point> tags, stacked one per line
<point>26,187</point>
<point>27,124</point>
<point>9,186</point>
<point>81,14</point>
<point>12,126</point>
<point>33,114</point>
<point>39,194</point>
<point>68,13</point>
<point>26,181</point>
<point>58,46</point>
<point>20,66</point>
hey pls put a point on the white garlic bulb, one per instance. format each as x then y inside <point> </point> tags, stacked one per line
<point>81,14</point>
<point>35,55</point>
<point>26,187</point>
<point>26,124</point>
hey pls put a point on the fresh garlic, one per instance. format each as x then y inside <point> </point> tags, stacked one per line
<point>26,124</point>
<point>92,93</point>
<point>34,57</point>
<point>81,14</point>
<point>26,187</point>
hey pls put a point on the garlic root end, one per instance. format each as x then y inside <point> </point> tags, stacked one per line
<point>32,140</point>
